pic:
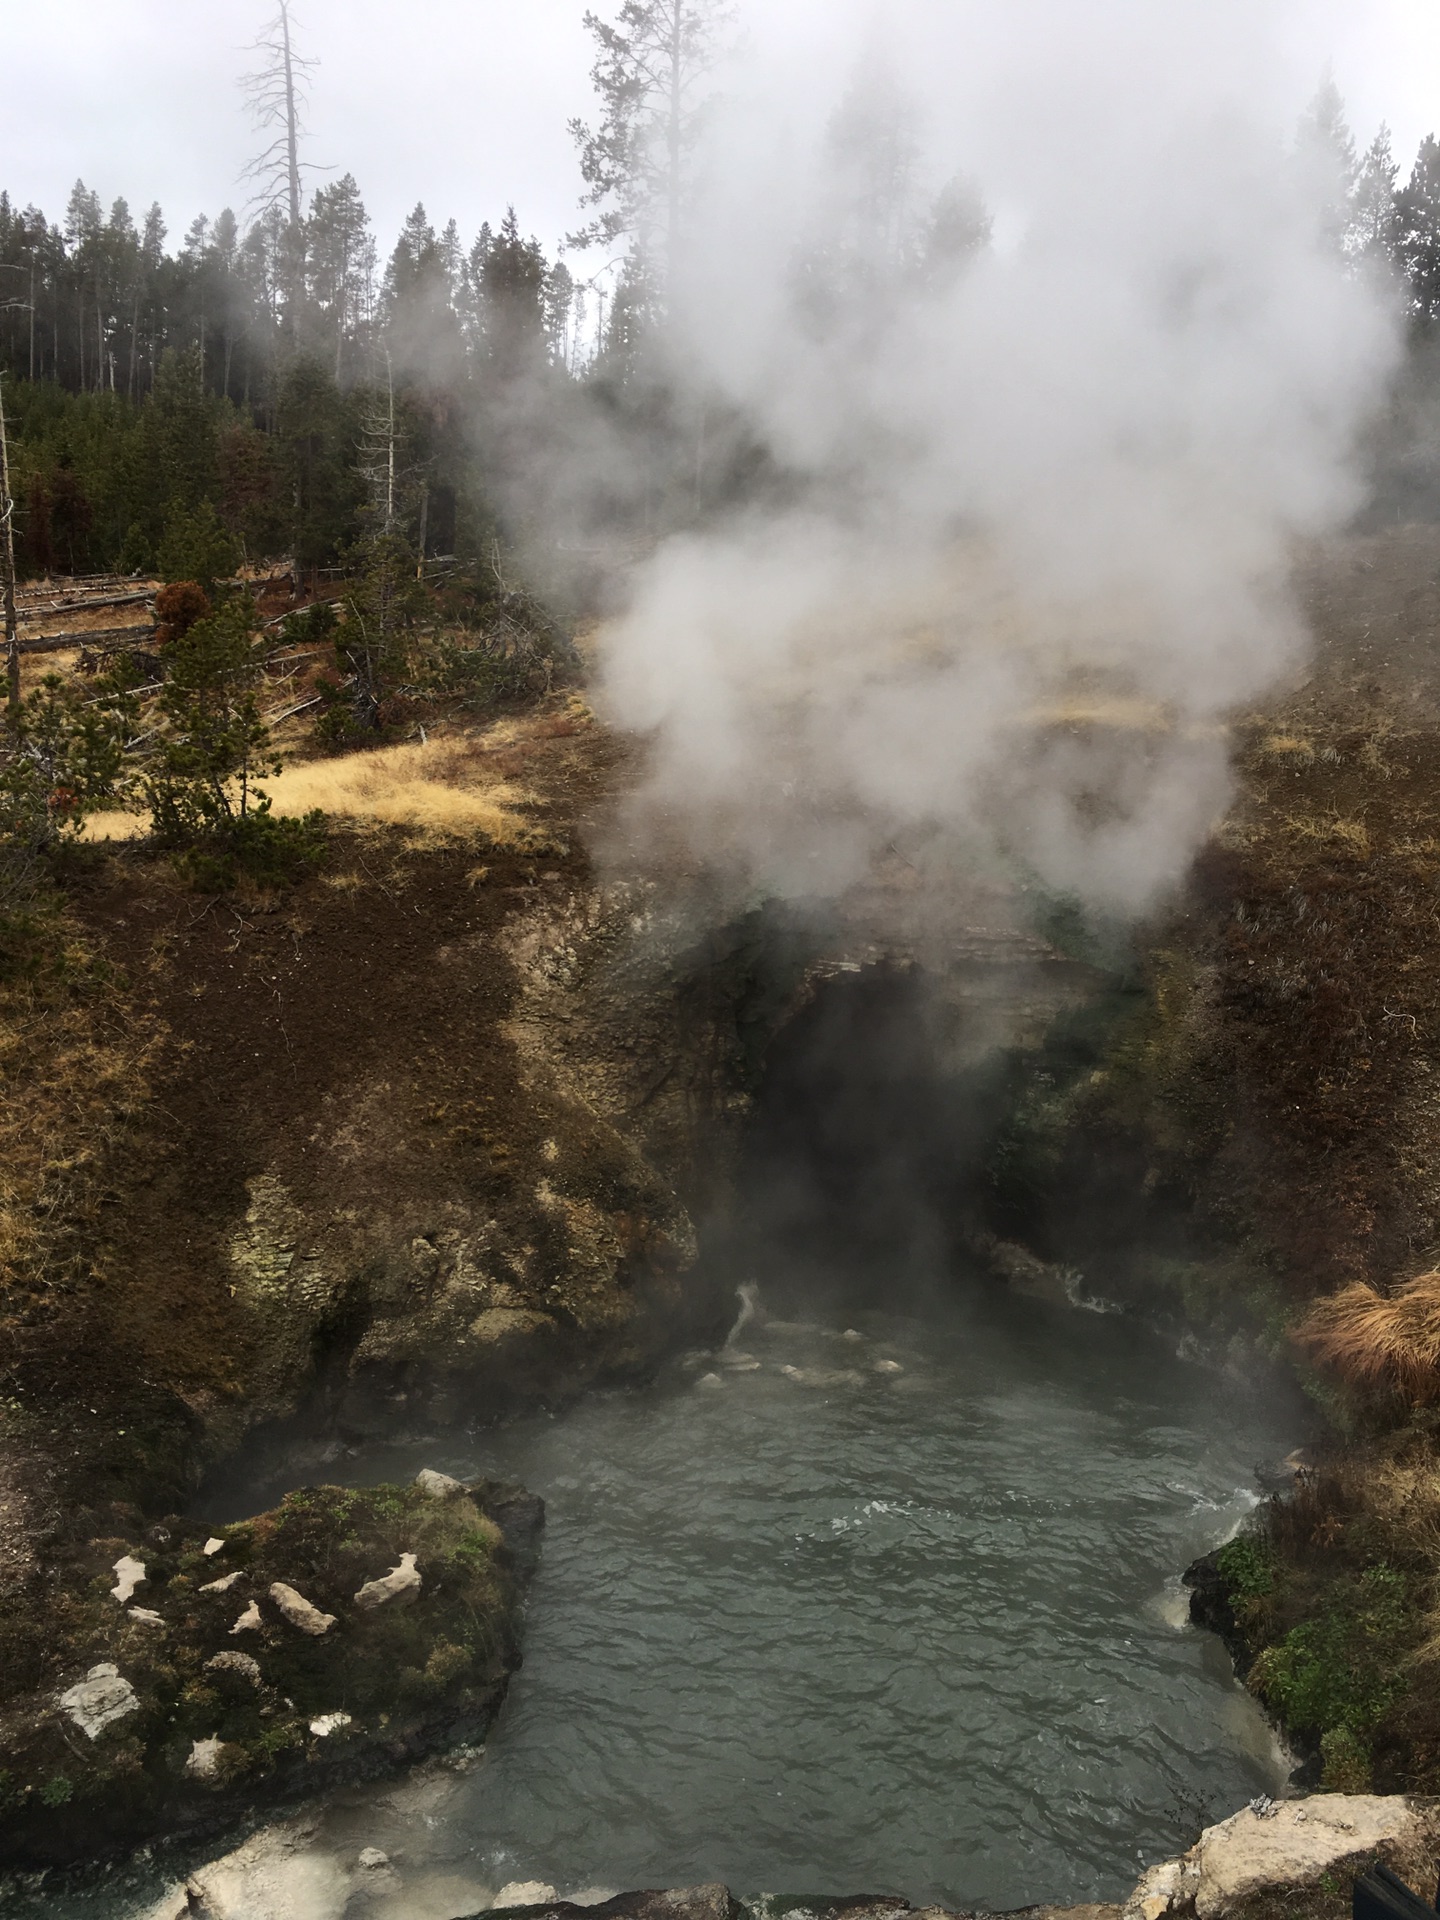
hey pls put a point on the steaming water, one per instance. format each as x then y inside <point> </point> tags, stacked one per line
<point>887,1608</point>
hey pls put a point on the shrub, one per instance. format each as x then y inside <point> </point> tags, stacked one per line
<point>1341,1669</point>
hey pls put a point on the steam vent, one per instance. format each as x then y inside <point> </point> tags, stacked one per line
<point>719,922</point>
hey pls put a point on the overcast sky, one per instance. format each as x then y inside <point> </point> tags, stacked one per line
<point>460,103</point>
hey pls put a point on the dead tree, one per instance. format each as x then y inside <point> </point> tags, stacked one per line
<point>7,572</point>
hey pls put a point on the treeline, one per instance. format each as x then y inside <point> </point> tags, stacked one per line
<point>94,302</point>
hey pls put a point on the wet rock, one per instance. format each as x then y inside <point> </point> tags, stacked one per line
<point>298,1610</point>
<point>372,1857</point>
<point>249,1621</point>
<point>100,1699</point>
<point>399,1586</point>
<point>524,1893</point>
<point>1288,1846</point>
<point>238,1663</point>
<point>437,1486</point>
<point>280,1873</point>
<point>129,1574</point>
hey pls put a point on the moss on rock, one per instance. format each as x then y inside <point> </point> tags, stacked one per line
<point>209,1690</point>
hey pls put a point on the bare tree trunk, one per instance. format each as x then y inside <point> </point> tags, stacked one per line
<point>7,576</point>
<point>32,320</point>
<point>672,134</point>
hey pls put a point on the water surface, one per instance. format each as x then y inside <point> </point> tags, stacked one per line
<point>879,1603</point>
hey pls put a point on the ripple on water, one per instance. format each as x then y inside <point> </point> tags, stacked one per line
<point>803,1624</point>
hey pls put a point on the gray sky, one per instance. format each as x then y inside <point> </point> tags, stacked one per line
<point>460,103</point>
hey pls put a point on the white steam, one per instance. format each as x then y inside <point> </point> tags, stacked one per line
<point>1034,505</point>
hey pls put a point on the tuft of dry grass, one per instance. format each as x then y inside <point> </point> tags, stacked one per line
<point>445,790</point>
<point>1376,1340</point>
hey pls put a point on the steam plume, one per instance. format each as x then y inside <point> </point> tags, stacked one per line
<point>1035,497</point>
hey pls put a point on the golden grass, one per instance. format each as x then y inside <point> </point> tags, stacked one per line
<point>448,789</point>
<point>1339,831</point>
<point>1374,1340</point>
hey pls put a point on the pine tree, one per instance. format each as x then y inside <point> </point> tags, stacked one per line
<point>651,77</point>
<point>1375,216</point>
<point>1325,148</point>
<point>1418,208</point>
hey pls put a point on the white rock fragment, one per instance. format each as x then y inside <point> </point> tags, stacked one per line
<point>371,1857</point>
<point>524,1893</point>
<point>329,1723</point>
<point>401,1584</point>
<point>298,1610</point>
<point>437,1486</point>
<point>249,1621</point>
<point>888,1366</point>
<point>204,1761</point>
<point>101,1698</point>
<point>130,1573</point>
<point>241,1663</point>
<point>223,1585</point>
<point>213,1545</point>
<point>852,1333</point>
<point>146,1616</point>
<point>709,1380</point>
<point>1288,1845</point>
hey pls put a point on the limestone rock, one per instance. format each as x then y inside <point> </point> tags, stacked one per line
<point>400,1585</point>
<point>129,1574</point>
<point>101,1698</point>
<point>298,1610</point>
<point>1289,1845</point>
<point>524,1893</point>
<point>241,1663</point>
<point>280,1873</point>
<point>249,1621</point>
<point>204,1760</point>
<point>213,1545</point>
<point>437,1486</point>
<point>223,1585</point>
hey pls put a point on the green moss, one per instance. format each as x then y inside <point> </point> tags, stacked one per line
<point>1247,1566</point>
<point>1341,1669</point>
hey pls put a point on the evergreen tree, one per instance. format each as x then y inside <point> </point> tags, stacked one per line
<point>1325,148</point>
<point>1418,211</point>
<point>652,77</point>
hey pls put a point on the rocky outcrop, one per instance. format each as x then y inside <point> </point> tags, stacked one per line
<point>185,1733</point>
<point>1275,1850</point>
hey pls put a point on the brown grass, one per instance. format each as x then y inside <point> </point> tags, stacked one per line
<point>75,1052</point>
<point>1375,1340</point>
<point>446,790</point>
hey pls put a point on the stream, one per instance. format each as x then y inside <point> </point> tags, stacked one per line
<point>867,1601</point>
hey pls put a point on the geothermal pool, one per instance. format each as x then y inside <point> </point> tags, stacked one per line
<point>863,1602</point>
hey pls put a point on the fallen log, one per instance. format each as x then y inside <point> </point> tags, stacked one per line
<point>101,639</point>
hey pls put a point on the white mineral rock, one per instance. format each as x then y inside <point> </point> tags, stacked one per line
<point>100,1698</point>
<point>373,1857</point>
<point>223,1585</point>
<point>1289,1845</point>
<point>204,1761</point>
<point>888,1366</point>
<point>401,1584</point>
<point>437,1486</point>
<point>298,1610</point>
<point>280,1873</point>
<point>241,1663</point>
<point>329,1723</point>
<point>145,1615</point>
<point>524,1893</point>
<point>130,1574</point>
<point>249,1620</point>
<point>214,1544</point>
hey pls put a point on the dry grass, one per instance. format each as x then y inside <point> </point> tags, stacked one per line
<point>1374,1340</point>
<point>453,789</point>
<point>75,1053</point>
